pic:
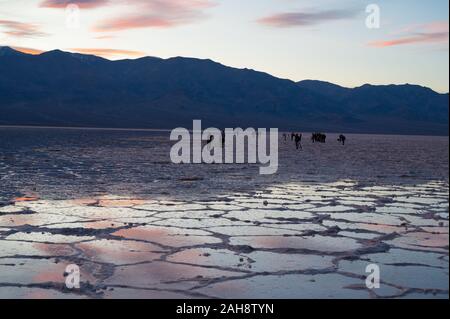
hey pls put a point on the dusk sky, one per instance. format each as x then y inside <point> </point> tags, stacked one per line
<point>295,39</point>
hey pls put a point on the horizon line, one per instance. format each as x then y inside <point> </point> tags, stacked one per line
<point>281,131</point>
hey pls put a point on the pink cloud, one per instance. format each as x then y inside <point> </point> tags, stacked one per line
<point>21,29</point>
<point>435,32</point>
<point>84,4</point>
<point>134,22</point>
<point>157,14</point>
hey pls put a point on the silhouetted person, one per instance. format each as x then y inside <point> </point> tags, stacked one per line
<point>342,139</point>
<point>285,137</point>
<point>292,136</point>
<point>298,140</point>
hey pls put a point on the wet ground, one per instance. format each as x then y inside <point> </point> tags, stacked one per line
<point>221,231</point>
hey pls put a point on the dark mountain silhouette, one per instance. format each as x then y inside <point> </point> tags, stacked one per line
<point>66,89</point>
<point>389,104</point>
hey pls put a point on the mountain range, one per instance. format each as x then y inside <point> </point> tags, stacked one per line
<point>59,88</point>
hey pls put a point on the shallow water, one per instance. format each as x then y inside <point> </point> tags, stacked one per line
<point>67,163</point>
<point>141,227</point>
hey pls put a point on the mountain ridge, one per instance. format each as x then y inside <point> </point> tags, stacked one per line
<point>58,88</point>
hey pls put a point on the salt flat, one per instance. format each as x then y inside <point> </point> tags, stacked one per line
<point>111,203</point>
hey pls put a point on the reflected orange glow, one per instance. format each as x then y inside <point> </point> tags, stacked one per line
<point>119,251</point>
<point>26,199</point>
<point>143,233</point>
<point>52,273</point>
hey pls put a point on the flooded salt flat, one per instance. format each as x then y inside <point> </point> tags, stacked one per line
<point>141,227</point>
<point>65,163</point>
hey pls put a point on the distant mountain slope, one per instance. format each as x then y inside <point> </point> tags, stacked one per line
<point>390,102</point>
<point>67,89</point>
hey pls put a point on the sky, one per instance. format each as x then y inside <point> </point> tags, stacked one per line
<point>328,40</point>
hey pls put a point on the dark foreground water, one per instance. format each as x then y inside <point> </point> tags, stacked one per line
<point>137,226</point>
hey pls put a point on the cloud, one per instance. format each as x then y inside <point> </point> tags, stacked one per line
<point>21,29</point>
<point>141,13</point>
<point>108,53</point>
<point>105,37</point>
<point>84,4</point>
<point>417,39</point>
<point>432,33</point>
<point>28,50</point>
<point>301,19</point>
<point>157,14</point>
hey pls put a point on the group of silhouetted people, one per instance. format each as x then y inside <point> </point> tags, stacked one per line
<point>315,138</point>
<point>318,138</point>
